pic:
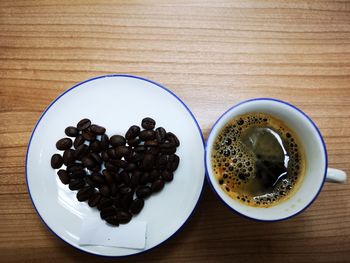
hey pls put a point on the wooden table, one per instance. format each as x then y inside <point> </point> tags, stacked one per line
<point>213,54</point>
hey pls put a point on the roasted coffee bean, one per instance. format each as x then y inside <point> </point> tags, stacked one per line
<point>90,182</point>
<point>71,131</point>
<point>167,148</point>
<point>126,201</point>
<point>79,140</point>
<point>137,157</point>
<point>69,157</point>
<point>130,167</point>
<point>104,142</point>
<point>78,174</point>
<point>117,140</point>
<point>81,151</point>
<point>167,176</point>
<point>134,142</point>
<point>88,135</point>
<point>140,148</point>
<point>112,220</point>
<point>125,177</point>
<point>95,146</point>
<point>157,185</point>
<point>162,162</point>
<point>56,161</point>
<point>172,138</point>
<point>173,162</point>
<point>148,162</point>
<point>107,212</point>
<point>146,135</point>
<point>76,184</point>
<point>111,167</point>
<point>108,176</point>
<point>154,150</point>
<point>160,134</point>
<point>64,176</point>
<point>104,203</point>
<point>154,175</point>
<point>88,162</point>
<point>97,178</point>
<point>111,153</point>
<point>133,132</point>
<point>135,178</point>
<point>143,192</point>
<point>117,178</point>
<point>136,206</point>
<point>74,167</point>
<point>95,168</point>
<point>148,123</point>
<point>121,151</point>
<point>125,190</point>
<point>105,156</point>
<point>98,130</point>
<point>83,124</point>
<point>119,163</point>
<point>64,144</point>
<point>114,189</point>
<point>151,143</point>
<point>145,178</point>
<point>123,217</point>
<point>97,158</point>
<point>85,193</point>
<point>104,190</point>
<point>94,199</point>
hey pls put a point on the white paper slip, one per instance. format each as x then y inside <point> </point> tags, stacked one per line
<point>95,231</point>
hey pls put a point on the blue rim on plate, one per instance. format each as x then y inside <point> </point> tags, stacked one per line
<point>77,85</point>
<point>313,124</point>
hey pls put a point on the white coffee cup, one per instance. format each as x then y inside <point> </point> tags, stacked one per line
<point>317,171</point>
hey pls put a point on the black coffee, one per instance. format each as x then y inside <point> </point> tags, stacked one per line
<point>258,160</point>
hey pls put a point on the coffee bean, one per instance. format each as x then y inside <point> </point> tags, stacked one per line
<point>172,138</point>
<point>136,206</point>
<point>125,177</point>
<point>130,167</point>
<point>135,178</point>
<point>114,189</point>
<point>74,167</point>
<point>134,142</point>
<point>160,134</point>
<point>97,178</point>
<point>111,153</point>
<point>145,178</point>
<point>68,157</point>
<point>64,176</point>
<point>119,163</point>
<point>143,192</point>
<point>111,167</point>
<point>167,148</point>
<point>123,217</point>
<point>167,176</point>
<point>121,151</point>
<point>71,131</point>
<point>94,199</point>
<point>90,182</point>
<point>98,130</point>
<point>125,190</point>
<point>64,144</point>
<point>146,135</point>
<point>81,151</point>
<point>140,148</point>
<point>162,162</point>
<point>154,175</point>
<point>173,162</point>
<point>78,174</point>
<point>88,135</point>
<point>105,156</point>
<point>104,142</point>
<point>126,201</point>
<point>79,140</point>
<point>88,162</point>
<point>104,203</point>
<point>85,193</point>
<point>95,146</point>
<point>157,185</point>
<point>76,184</point>
<point>151,143</point>
<point>148,162</point>
<point>112,220</point>
<point>133,132</point>
<point>105,191</point>
<point>148,123</point>
<point>108,176</point>
<point>107,212</point>
<point>97,158</point>
<point>117,178</point>
<point>117,140</point>
<point>56,161</point>
<point>83,124</point>
<point>95,168</point>
<point>154,150</point>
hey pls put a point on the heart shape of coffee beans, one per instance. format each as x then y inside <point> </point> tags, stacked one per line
<point>116,174</point>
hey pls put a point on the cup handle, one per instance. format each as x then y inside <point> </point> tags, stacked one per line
<point>335,176</point>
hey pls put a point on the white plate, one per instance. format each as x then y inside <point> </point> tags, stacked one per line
<point>115,102</point>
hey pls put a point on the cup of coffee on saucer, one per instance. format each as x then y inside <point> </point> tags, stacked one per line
<point>267,160</point>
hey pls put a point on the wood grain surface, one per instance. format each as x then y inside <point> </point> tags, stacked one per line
<point>212,54</point>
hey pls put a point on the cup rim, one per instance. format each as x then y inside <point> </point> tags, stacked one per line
<point>294,108</point>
